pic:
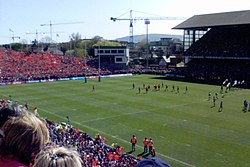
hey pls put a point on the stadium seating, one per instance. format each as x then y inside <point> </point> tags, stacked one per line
<point>18,66</point>
<point>222,53</point>
<point>93,151</point>
<point>222,43</point>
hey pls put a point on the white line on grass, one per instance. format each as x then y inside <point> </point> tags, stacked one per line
<point>102,118</point>
<point>173,106</point>
<point>179,105</point>
<point>125,141</point>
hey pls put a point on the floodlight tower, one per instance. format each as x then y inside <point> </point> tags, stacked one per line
<point>33,33</point>
<point>99,64</point>
<point>10,30</point>
<point>146,20</point>
<point>13,36</point>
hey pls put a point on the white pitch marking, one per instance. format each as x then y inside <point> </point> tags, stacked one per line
<point>102,118</point>
<point>125,141</point>
<point>162,137</point>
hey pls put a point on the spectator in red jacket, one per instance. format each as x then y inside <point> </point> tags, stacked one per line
<point>133,142</point>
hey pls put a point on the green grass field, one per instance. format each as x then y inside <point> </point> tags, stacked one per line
<point>185,128</point>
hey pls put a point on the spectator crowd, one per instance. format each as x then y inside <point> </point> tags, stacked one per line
<point>93,150</point>
<point>219,54</point>
<point>28,140</point>
<point>19,66</point>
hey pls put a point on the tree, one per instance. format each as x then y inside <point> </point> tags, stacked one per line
<point>86,44</point>
<point>16,46</point>
<point>45,40</point>
<point>70,53</point>
<point>79,52</point>
<point>142,46</point>
<point>107,43</point>
<point>75,39</point>
<point>96,39</point>
<point>24,41</point>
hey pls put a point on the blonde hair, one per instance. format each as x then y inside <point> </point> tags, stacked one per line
<point>24,137</point>
<point>58,157</point>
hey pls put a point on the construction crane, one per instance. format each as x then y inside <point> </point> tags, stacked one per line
<point>28,33</point>
<point>50,24</point>
<point>11,37</point>
<point>146,20</point>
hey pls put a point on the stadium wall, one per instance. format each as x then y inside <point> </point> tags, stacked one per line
<point>64,79</point>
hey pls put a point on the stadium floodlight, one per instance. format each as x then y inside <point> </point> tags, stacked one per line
<point>99,64</point>
<point>85,56</point>
<point>10,30</point>
<point>147,22</point>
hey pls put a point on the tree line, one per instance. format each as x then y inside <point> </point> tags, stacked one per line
<point>76,46</point>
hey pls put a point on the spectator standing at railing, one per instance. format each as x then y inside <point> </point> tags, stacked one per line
<point>150,145</point>
<point>145,145</point>
<point>133,142</point>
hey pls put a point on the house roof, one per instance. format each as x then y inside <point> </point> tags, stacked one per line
<point>215,20</point>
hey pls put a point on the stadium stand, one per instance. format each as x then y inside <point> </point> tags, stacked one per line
<point>216,47</point>
<point>18,66</point>
<point>23,137</point>
<point>93,151</point>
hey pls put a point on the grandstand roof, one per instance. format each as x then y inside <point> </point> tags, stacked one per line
<point>216,20</point>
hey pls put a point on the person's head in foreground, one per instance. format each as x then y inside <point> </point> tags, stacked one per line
<point>8,110</point>
<point>23,138</point>
<point>57,157</point>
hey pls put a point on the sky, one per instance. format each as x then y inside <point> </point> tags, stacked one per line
<point>23,18</point>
